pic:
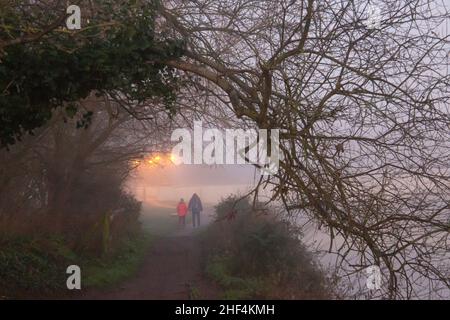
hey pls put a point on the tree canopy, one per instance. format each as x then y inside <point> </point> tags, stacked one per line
<point>117,51</point>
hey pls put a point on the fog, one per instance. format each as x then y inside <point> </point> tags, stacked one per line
<point>163,186</point>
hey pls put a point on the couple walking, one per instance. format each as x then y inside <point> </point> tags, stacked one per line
<point>194,206</point>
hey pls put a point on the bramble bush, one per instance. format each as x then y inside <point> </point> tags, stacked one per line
<point>251,253</point>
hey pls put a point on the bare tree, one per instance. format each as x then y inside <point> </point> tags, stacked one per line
<point>364,108</point>
<point>41,174</point>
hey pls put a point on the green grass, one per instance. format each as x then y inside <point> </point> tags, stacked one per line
<point>259,256</point>
<point>35,266</point>
<point>234,288</point>
<point>110,271</point>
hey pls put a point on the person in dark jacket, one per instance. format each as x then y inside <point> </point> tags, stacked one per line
<point>195,206</point>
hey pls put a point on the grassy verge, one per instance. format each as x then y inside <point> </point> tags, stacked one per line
<point>110,271</point>
<point>233,286</point>
<point>35,266</point>
<point>31,266</point>
<point>252,254</point>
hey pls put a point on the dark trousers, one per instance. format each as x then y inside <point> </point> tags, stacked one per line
<point>182,220</point>
<point>196,218</point>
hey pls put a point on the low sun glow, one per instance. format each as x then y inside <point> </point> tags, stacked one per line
<point>159,159</point>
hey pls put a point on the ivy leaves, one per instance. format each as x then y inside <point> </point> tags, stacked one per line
<point>125,57</point>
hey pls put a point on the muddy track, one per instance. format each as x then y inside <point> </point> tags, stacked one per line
<point>171,270</point>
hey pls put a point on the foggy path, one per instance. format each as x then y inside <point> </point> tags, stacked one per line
<point>171,270</point>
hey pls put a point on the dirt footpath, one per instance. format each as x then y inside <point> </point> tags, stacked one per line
<point>171,270</point>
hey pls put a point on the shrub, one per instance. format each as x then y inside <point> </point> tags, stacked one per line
<point>31,266</point>
<point>252,253</point>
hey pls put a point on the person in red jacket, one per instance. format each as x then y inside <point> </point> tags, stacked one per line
<point>182,211</point>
